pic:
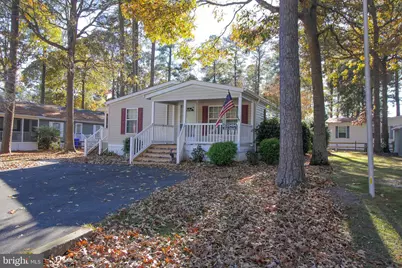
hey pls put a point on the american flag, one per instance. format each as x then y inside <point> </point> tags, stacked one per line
<point>227,105</point>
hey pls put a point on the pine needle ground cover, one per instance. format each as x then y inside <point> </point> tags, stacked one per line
<point>375,224</point>
<point>224,217</point>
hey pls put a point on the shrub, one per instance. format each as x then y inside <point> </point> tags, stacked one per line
<point>126,145</point>
<point>48,137</point>
<point>252,158</point>
<point>267,129</point>
<point>198,154</point>
<point>222,153</point>
<point>269,150</point>
<point>307,138</point>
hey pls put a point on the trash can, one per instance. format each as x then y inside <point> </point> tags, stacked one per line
<point>77,143</point>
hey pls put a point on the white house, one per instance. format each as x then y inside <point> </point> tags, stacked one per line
<point>179,116</point>
<point>347,136</point>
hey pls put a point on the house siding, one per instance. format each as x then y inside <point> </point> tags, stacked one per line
<point>115,138</point>
<point>259,113</point>
<point>195,92</point>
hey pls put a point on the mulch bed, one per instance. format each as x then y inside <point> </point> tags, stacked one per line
<point>223,217</point>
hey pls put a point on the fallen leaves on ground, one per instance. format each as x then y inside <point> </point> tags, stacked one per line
<point>223,217</point>
<point>19,160</point>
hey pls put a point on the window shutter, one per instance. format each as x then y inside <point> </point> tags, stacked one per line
<point>140,119</point>
<point>336,132</point>
<point>204,119</point>
<point>123,121</point>
<point>244,114</point>
<point>347,132</point>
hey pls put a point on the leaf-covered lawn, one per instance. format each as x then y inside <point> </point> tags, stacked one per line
<point>375,224</point>
<point>33,159</point>
<point>223,217</point>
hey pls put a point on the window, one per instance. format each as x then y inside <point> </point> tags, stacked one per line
<point>95,128</point>
<point>342,132</point>
<point>131,121</point>
<point>59,126</point>
<point>17,124</point>
<point>78,128</point>
<point>229,118</point>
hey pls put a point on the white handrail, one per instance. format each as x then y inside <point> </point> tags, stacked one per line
<point>140,142</point>
<point>152,134</point>
<point>180,144</point>
<point>92,141</point>
<point>208,133</point>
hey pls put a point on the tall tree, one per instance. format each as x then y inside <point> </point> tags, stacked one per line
<point>291,161</point>
<point>66,16</point>
<point>152,74</point>
<point>11,79</point>
<point>397,100</point>
<point>122,41</point>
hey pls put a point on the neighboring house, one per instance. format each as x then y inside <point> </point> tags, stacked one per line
<point>28,116</point>
<point>181,116</point>
<point>342,131</point>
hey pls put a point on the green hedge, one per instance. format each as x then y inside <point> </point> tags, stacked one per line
<point>269,151</point>
<point>222,153</point>
<point>48,137</point>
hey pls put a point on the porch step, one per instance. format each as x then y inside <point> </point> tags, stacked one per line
<point>157,153</point>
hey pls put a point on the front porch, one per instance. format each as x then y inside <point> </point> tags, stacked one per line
<point>189,123</point>
<point>23,135</point>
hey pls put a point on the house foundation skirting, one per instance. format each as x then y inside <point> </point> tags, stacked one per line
<point>23,146</point>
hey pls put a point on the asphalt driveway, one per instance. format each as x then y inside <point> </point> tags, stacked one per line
<point>43,203</point>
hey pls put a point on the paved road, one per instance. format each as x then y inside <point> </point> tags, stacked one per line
<point>54,200</point>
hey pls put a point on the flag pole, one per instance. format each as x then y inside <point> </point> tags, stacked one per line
<point>368,102</point>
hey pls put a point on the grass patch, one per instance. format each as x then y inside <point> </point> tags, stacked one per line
<point>375,224</point>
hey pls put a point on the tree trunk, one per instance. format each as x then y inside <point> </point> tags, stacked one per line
<point>258,70</point>
<point>235,69</point>
<point>43,83</point>
<point>214,66</point>
<point>397,100</point>
<point>83,93</point>
<point>320,153</point>
<point>331,100</point>
<point>11,80</point>
<point>135,42</point>
<point>153,48</point>
<point>72,40</point>
<point>384,123</point>
<point>122,52</point>
<point>170,63</point>
<point>291,161</point>
<point>376,79</point>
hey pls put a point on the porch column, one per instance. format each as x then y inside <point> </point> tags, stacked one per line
<point>253,124</point>
<point>184,112</point>
<point>239,108</point>
<point>153,113</point>
<point>22,130</point>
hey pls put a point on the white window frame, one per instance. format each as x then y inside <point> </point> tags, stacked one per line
<point>75,128</point>
<point>391,132</point>
<point>346,132</point>
<point>136,128</point>
<point>224,117</point>
<point>61,127</point>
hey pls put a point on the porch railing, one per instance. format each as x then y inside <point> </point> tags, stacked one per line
<point>246,134</point>
<point>153,134</point>
<point>91,142</point>
<point>207,133</point>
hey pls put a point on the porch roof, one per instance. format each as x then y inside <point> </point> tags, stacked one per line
<point>208,91</point>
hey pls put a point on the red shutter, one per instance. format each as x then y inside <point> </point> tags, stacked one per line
<point>244,114</point>
<point>140,119</point>
<point>123,121</point>
<point>204,119</point>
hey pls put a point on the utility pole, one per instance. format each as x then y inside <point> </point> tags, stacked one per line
<point>368,102</point>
